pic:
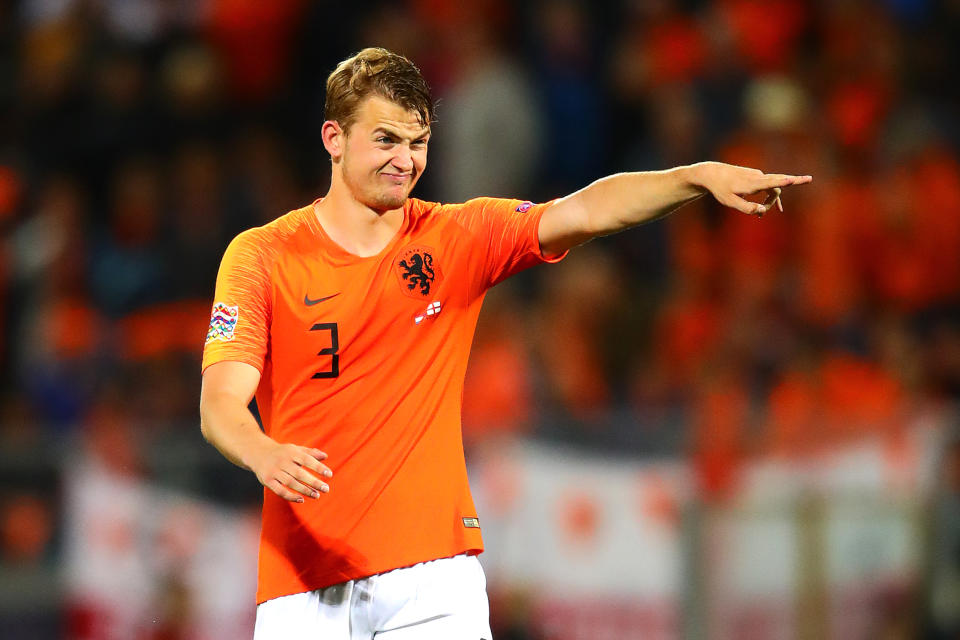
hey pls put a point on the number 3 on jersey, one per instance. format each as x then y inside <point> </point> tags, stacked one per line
<point>329,351</point>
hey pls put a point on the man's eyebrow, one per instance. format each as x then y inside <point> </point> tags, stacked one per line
<point>393,133</point>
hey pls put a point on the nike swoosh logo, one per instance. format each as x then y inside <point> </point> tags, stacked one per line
<point>307,301</point>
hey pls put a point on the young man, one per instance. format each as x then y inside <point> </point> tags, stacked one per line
<point>351,320</point>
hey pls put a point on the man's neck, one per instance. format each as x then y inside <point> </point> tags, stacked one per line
<point>357,228</point>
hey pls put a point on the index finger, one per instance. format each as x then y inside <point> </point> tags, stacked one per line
<point>312,462</point>
<point>784,180</point>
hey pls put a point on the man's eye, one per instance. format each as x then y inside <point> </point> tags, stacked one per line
<point>384,140</point>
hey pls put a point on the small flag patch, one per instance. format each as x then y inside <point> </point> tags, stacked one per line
<point>223,320</point>
<point>433,309</point>
<point>523,207</point>
<point>471,523</point>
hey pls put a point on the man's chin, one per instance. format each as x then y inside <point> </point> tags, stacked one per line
<point>388,201</point>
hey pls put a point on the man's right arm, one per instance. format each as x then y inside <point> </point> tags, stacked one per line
<point>291,471</point>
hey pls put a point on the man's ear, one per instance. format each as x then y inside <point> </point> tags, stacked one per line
<point>334,139</point>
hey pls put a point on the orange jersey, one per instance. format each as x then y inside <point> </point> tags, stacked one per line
<point>364,358</point>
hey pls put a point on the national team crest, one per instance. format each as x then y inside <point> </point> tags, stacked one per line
<point>418,271</point>
<point>223,321</point>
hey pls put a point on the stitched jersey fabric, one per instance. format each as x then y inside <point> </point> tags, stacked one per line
<point>364,358</point>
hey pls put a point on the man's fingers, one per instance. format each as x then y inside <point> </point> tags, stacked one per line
<point>300,484</point>
<point>776,198</point>
<point>744,206</point>
<point>749,182</point>
<point>770,180</point>
<point>277,487</point>
<point>294,472</point>
<point>310,462</point>
<point>306,478</point>
<point>773,197</point>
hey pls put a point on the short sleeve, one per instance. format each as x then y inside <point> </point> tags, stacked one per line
<point>507,233</point>
<point>240,317</point>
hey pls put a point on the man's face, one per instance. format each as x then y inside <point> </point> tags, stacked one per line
<point>385,152</point>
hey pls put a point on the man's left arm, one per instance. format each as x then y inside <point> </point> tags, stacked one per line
<point>624,200</point>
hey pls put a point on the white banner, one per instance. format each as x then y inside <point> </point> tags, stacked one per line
<point>597,541</point>
<point>144,563</point>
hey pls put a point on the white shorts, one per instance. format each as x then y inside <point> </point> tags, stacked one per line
<point>439,600</point>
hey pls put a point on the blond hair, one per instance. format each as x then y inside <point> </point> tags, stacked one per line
<point>376,71</point>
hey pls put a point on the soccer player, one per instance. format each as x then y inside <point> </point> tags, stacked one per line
<point>351,320</point>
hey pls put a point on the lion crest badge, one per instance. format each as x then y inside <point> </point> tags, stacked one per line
<point>417,271</point>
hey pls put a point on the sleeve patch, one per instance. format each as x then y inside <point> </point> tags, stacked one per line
<point>523,207</point>
<point>223,321</point>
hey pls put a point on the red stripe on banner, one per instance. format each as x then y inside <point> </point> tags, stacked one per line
<point>588,618</point>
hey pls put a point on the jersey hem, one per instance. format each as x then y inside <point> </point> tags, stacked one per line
<point>472,550</point>
<point>536,237</point>
<point>245,358</point>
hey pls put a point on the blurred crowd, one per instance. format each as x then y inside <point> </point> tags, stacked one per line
<point>137,137</point>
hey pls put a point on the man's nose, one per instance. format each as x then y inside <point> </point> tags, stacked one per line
<point>403,159</point>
